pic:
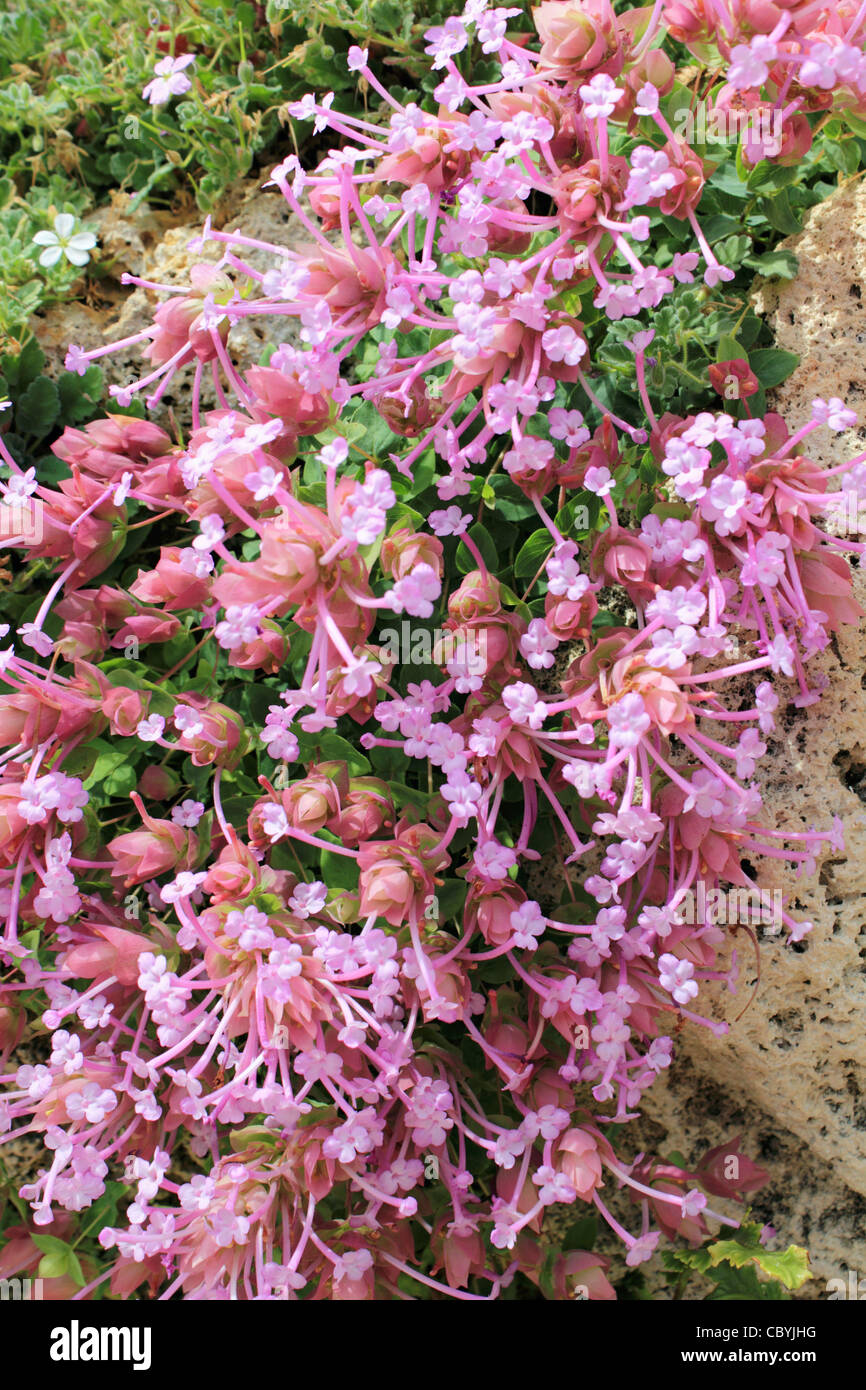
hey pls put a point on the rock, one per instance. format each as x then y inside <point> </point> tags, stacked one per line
<point>791,1073</point>
<point>821,314</point>
<point>807,1201</point>
<point>127,233</point>
<point>134,240</point>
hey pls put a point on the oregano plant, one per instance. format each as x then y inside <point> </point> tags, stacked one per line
<point>381,784</point>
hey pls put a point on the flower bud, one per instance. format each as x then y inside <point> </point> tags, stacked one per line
<point>311,802</point>
<point>159,847</point>
<point>158,783</point>
<point>621,557</point>
<point>106,448</point>
<point>365,811</point>
<point>578,37</point>
<point>125,709</point>
<point>217,738</point>
<point>734,379</point>
<point>578,1158</point>
<point>490,912</point>
<point>403,550</point>
<point>479,596</point>
<point>114,952</point>
<point>169,584</point>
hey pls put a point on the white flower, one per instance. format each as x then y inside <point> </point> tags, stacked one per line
<point>65,241</point>
<point>170,80</point>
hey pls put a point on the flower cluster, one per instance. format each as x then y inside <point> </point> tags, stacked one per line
<point>347,981</point>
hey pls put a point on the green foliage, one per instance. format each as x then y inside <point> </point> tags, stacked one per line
<point>735,1265</point>
<point>58,1259</point>
<point>41,406</point>
<point>74,125</point>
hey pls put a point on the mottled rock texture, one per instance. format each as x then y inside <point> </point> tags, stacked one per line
<point>790,1074</point>
<point>821,315</point>
<point>135,240</point>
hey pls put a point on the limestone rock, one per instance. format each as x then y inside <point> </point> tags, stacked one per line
<point>134,240</point>
<point>127,232</point>
<point>791,1073</point>
<point>821,314</point>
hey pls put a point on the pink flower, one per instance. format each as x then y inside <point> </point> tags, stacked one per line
<point>676,976</point>
<point>628,721</point>
<point>416,592</point>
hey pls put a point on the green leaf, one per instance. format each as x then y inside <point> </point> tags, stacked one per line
<point>582,1234</point>
<point>545,1277</point>
<point>387,16</point>
<point>507,501</point>
<point>24,368</point>
<point>512,600</point>
<point>733,1264</point>
<point>532,553</point>
<point>328,746</point>
<point>743,1285</point>
<point>339,871</point>
<point>766,177</point>
<point>676,1157</point>
<point>173,652</point>
<point>37,410</point>
<point>604,618</point>
<point>81,761</point>
<point>58,1259</point>
<point>237,808</point>
<point>74,1270</point>
<point>728,349</point>
<point>790,1267</point>
<point>105,764</point>
<point>408,796</point>
<point>780,214</point>
<point>50,1245</point>
<point>772,366</point>
<point>79,395</point>
<point>779,264</point>
<point>684,1261</point>
<point>498,972</point>
<point>645,502</point>
<point>52,1266</point>
<point>452,896</point>
<point>122,781</point>
<point>466,561</point>
<point>732,250</point>
<point>725,178</point>
<point>721,225</point>
<point>844,155</point>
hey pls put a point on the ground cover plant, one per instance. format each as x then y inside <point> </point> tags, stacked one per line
<point>380,752</point>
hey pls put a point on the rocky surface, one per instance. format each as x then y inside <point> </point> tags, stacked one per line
<point>790,1074</point>
<point>821,314</point>
<point>136,240</point>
